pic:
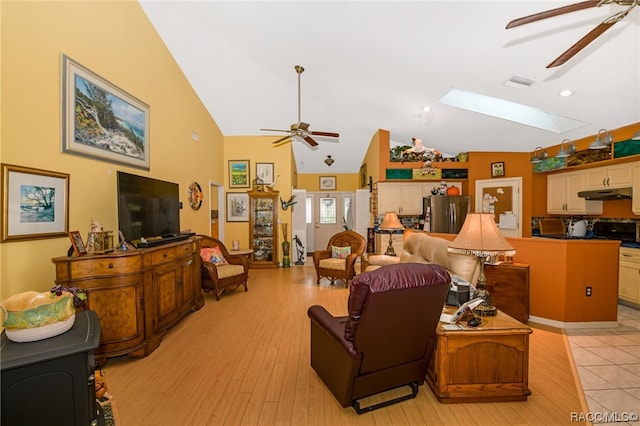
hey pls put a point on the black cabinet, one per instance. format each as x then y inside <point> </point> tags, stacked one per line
<point>51,381</point>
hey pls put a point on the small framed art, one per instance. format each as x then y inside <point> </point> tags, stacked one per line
<point>78,245</point>
<point>327,183</point>
<point>239,174</point>
<point>237,207</point>
<point>264,172</point>
<point>497,169</point>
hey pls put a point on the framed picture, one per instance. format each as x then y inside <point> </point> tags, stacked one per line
<point>101,120</point>
<point>237,207</point>
<point>363,175</point>
<point>239,174</point>
<point>35,203</point>
<point>78,245</point>
<point>264,172</point>
<point>497,169</point>
<point>327,183</point>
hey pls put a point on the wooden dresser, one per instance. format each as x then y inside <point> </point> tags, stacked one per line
<point>137,294</point>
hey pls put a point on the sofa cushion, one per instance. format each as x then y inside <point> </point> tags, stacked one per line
<point>229,270</point>
<point>340,252</point>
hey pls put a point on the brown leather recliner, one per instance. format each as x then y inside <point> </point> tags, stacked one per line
<point>218,278</point>
<point>334,269</point>
<point>387,339</point>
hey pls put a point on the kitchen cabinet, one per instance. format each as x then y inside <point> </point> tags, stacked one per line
<point>263,228</point>
<point>405,198</point>
<point>618,176</point>
<point>562,195</point>
<point>635,202</point>
<point>629,276</point>
<point>137,294</point>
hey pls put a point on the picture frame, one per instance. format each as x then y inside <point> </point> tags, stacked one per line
<point>35,203</point>
<point>121,135</point>
<point>265,173</point>
<point>237,207</point>
<point>363,175</point>
<point>497,169</point>
<point>327,183</point>
<point>239,175</point>
<point>78,245</point>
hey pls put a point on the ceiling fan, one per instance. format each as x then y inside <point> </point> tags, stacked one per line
<point>301,129</point>
<point>592,35</point>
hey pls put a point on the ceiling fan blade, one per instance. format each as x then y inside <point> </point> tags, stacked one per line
<point>581,44</point>
<point>329,134</point>
<point>553,12</point>
<point>310,141</point>
<point>274,130</point>
<point>303,126</point>
<point>282,139</point>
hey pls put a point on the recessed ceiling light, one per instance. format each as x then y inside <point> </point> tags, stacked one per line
<point>565,92</point>
<point>426,109</point>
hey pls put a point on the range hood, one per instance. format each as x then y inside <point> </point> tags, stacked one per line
<point>606,194</point>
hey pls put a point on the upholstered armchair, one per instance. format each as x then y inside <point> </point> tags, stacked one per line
<point>387,339</point>
<point>339,259</point>
<point>220,270</point>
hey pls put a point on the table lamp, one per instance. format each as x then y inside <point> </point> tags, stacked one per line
<point>390,223</point>
<point>480,237</point>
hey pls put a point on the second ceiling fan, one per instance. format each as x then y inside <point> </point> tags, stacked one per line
<point>592,35</point>
<point>301,129</point>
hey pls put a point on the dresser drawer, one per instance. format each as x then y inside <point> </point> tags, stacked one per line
<point>104,266</point>
<point>159,256</point>
<point>630,254</point>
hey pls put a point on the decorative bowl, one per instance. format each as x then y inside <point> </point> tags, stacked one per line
<point>32,316</point>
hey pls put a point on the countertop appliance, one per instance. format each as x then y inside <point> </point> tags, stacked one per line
<point>627,232</point>
<point>577,229</point>
<point>445,213</point>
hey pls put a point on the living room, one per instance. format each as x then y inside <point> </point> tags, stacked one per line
<point>34,38</point>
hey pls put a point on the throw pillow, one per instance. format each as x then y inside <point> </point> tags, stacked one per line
<point>213,255</point>
<point>340,252</point>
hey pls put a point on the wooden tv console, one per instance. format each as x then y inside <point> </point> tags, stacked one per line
<point>137,294</point>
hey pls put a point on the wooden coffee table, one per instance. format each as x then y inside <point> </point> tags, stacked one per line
<point>486,364</point>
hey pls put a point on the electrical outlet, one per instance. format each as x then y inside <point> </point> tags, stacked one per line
<point>588,291</point>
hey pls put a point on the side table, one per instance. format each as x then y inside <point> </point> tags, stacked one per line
<point>486,364</point>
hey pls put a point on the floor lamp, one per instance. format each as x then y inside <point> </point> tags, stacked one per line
<point>480,237</point>
<point>390,223</point>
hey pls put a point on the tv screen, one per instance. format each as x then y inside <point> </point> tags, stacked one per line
<point>147,207</point>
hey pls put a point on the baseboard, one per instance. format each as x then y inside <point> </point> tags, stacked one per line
<point>572,325</point>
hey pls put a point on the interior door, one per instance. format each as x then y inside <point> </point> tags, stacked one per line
<point>333,212</point>
<point>502,197</point>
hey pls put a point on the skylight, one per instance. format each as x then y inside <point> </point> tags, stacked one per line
<point>510,111</point>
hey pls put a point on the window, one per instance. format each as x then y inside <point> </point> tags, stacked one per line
<point>328,213</point>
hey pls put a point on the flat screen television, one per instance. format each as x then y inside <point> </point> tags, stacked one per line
<point>147,207</point>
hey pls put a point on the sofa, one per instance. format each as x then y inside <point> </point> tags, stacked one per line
<point>420,247</point>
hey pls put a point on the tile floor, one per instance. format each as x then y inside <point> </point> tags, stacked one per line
<point>608,362</point>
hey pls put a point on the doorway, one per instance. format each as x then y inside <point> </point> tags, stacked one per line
<point>332,212</point>
<point>216,209</point>
<point>502,198</point>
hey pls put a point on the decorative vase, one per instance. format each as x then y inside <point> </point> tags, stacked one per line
<point>286,261</point>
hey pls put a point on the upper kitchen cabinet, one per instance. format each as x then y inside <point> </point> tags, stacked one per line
<point>618,176</point>
<point>562,195</point>
<point>405,198</point>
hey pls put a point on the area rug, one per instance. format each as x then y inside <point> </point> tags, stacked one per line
<point>110,411</point>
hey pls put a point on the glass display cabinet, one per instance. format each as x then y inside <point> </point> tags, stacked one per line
<point>263,227</point>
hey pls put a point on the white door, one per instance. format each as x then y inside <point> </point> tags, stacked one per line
<point>333,211</point>
<point>503,198</point>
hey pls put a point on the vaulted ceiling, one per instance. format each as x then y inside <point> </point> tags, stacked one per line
<point>371,65</point>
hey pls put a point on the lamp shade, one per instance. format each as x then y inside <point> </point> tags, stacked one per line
<point>480,237</point>
<point>390,222</point>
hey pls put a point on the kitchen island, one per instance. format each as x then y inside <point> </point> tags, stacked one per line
<point>572,283</point>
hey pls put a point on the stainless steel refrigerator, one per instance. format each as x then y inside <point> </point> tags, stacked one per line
<point>445,213</point>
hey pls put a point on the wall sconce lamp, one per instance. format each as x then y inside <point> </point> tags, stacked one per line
<point>565,152</point>
<point>636,136</point>
<point>329,161</point>
<point>538,157</point>
<point>602,142</point>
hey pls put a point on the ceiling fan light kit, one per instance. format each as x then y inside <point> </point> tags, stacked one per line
<point>301,129</point>
<point>591,35</point>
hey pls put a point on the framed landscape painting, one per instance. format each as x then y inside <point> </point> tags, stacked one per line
<point>239,174</point>
<point>35,203</point>
<point>101,120</point>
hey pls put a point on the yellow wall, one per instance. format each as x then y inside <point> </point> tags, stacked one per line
<point>258,149</point>
<point>116,41</point>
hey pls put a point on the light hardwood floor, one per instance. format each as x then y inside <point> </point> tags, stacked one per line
<point>245,361</point>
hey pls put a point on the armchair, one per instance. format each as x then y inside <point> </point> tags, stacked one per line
<point>387,339</point>
<point>334,268</point>
<point>228,273</point>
